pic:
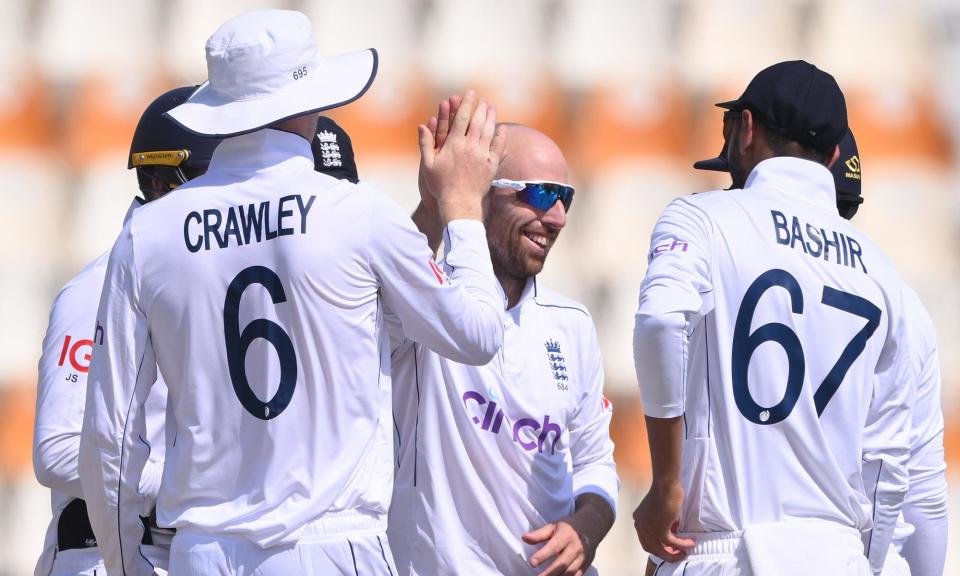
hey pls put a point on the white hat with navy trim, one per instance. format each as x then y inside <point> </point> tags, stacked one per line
<point>262,67</point>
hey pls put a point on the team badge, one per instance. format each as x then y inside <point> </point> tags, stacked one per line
<point>329,149</point>
<point>558,364</point>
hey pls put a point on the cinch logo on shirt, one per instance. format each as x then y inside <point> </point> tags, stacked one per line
<point>676,244</point>
<point>530,434</point>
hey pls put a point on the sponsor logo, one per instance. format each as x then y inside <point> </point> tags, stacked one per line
<point>676,244</point>
<point>853,167</point>
<point>528,433</point>
<point>558,364</point>
<point>77,352</point>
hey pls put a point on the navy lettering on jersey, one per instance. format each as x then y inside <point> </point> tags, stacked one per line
<point>191,246</point>
<point>241,225</point>
<point>817,242</point>
<point>253,222</point>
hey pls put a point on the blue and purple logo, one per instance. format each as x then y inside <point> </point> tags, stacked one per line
<point>528,433</point>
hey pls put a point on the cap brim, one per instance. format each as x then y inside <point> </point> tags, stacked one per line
<point>728,105</point>
<point>338,80</point>
<point>718,164</point>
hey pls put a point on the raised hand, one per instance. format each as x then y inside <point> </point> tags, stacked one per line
<point>457,172</point>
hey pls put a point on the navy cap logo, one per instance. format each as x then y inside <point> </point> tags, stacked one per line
<point>853,167</point>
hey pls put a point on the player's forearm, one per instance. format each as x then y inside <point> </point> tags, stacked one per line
<point>428,222</point>
<point>592,519</point>
<point>665,436</point>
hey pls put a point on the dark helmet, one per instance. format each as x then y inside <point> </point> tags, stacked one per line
<point>846,176</point>
<point>162,150</point>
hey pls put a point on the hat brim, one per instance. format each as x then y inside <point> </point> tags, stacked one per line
<point>718,164</point>
<point>729,104</point>
<point>338,80</point>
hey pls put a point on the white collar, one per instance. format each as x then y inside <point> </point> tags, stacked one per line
<point>255,151</point>
<point>134,204</point>
<point>804,179</point>
<point>529,292</point>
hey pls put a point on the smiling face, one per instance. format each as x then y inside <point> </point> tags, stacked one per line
<point>519,235</point>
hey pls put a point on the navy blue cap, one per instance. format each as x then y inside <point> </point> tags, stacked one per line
<point>159,141</point>
<point>798,101</point>
<point>846,176</point>
<point>333,151</point>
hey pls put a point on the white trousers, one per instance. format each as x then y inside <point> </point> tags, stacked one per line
<point>895,564</point>
<point>715,554</point>
<point>89,562</point>
<point>794,548</point>
<point>196,553</point>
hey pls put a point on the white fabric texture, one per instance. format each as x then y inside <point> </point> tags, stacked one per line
<point>61,392</point>
<point>921,535</point>
<point>258,291</point>
<point>196,553</point>
<point>487,453</point>
<point>777,331</point>
<point>804,548</point>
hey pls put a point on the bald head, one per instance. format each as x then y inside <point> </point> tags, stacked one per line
<point>531,155</point>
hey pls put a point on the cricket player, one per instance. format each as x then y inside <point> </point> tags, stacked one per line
<point>919,545</point>
<point>165,156</point>
<point>771,349</point>
<point>258,291</point>
<point>507,468</point>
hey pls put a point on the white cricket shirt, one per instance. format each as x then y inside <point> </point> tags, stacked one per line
<point>487,453</point>
<point>776,330</point>
<point>922,536</point>
<point>61,392</point>
<point>258,290</point>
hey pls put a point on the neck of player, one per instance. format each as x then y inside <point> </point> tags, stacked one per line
<point>512,286</point>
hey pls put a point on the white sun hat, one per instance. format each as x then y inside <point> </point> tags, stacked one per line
<point>262,66</point>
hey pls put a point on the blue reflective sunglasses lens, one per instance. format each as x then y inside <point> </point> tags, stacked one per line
<point>542,196</point>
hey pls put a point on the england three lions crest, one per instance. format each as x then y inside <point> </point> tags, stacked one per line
<point>329,149</point>
<point>558,364</point>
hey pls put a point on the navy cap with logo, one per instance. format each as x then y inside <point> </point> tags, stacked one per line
<point>798,101</point>
<point>333,151</point>
<point>846,175</point>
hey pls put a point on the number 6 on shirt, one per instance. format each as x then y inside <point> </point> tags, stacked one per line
<point>238,342</point>
<point>745,342</point>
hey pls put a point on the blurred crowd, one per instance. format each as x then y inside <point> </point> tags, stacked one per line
<point>626,87</point>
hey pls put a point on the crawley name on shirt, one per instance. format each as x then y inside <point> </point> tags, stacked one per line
<point>245,224</point>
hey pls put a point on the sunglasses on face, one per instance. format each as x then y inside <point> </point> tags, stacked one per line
<point>541,195</point>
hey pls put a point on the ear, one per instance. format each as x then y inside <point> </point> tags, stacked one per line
<point>746,130</point>
<point>834,157</point>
